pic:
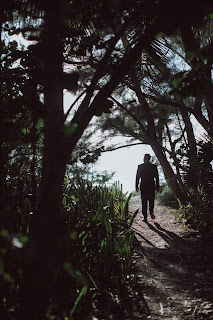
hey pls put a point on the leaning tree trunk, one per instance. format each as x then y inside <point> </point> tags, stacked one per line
<point>167,169</point>
<point>192,145</point>
<point>173,154</point>
<point>192,43</point>
<point>2,169</point>
<point>152,138</point>
<point>47,227</point>
<point>209,106</point>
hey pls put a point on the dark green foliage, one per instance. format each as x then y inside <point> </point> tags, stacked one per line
<point>194,217</point>
<point>101,219</point>
<point>21,132</point>
<point>97,246</point>
<point>11,272</point>
<point>198,186</point>
<point>97,249</point>
<point>166,197</point>
<point>190,83</point>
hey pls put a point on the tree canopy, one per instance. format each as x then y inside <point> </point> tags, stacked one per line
<point>122,61</point>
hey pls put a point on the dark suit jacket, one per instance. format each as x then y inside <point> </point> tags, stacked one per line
<point>148,174</point>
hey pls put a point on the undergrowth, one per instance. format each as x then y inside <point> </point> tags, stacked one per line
<point>97,251</point>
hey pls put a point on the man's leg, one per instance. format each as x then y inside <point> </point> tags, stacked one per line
<point>144,200</point>
<point>151,204</point>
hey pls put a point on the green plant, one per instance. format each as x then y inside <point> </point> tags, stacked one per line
<point>198,182</point>
<point>192,217</point>
<point>97,250</point>
<point>100,217</point>
<point>100,238</point>
<point>166,196</point>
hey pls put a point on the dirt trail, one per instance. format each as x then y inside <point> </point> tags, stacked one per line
<point>174,268</point>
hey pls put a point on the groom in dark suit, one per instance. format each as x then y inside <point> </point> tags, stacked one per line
<point>147,174</point>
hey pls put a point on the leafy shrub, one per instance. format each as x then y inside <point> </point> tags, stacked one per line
<point>166,197</point>
<point>134,193</point>
<point>100,219</point>
<point>100,244</point>
<point>97,250</point>
<point>198,182</point>
<point>192,217</point>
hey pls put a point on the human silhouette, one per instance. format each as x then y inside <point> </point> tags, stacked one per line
<point>147,174</point>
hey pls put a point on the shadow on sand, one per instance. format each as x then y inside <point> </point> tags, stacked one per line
<point>183,267</point>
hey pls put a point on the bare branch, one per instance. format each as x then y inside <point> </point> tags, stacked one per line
<point>130,113</point>
<point>164,100</point>
<point>72,105</point>
<point>124,146</point>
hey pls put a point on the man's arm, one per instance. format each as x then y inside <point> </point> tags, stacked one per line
<point>137,179</point>
<point>157,179</point>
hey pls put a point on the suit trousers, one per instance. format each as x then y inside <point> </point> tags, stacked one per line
<point>147,198</point>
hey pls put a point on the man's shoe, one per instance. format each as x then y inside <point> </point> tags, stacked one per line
<point>145,220</point>
<point>152,215</point>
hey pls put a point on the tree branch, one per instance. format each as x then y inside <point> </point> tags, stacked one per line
<point>97,76</point>
<point>130,113</point>
<point>164,100</point>
<point>124,146</point>
<point>88,109</point>
<point>72,105</point>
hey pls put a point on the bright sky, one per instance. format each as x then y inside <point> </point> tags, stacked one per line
<point>124,162</point>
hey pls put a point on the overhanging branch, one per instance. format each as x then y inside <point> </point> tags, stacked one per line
<point>129,113</point>
<point>124,146</point>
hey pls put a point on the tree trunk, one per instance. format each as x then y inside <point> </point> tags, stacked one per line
<point>192,43</point>
<point>2,162</point>
<point>47,229</point>
<point>167,169</point>
<point>197,113</point>
<point>152,137</point>
<point>173,154</point>
<point>192,152</point>
<point>209,106</point>
<point>33,164</point>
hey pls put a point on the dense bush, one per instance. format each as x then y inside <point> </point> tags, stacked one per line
<point>166,197</point>
<point>192,217</point>
<point>99,218</point>
<point>97,249</point>
<point>198,186</point>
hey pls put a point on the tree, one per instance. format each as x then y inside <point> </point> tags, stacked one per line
<point>20,111</point>
<point>66,23</point>
<point>160,91</point>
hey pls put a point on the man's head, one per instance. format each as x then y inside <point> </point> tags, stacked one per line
<point>147,157</point>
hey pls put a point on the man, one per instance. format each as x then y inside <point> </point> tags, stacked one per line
<point>148,174</point>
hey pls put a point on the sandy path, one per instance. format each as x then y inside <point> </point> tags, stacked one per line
<point>174,268</point>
